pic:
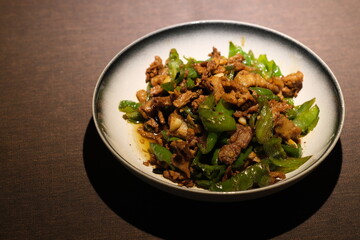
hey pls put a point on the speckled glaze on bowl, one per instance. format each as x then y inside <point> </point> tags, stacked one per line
<point>125,74</point>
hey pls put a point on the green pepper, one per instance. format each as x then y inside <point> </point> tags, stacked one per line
<point>264,125</point>
<point>292,113</point>
<point>174,64</point>
<point>242,157</point>
<point>289,101</point>
<point>266,93</point>
<point>248,57</point>
<point>210,143</point>
<point>189,68</point>
<point>131,110</point>
<point>128,106</point>
<point>215,157</point>
<point>273,148</point>
<point>224,107</point>
<point>161,153</point>
<point>233,50</point>
<point>210,172</point>
<point>252,120</point>
<point>288,164</point>
<point>267,68</point>
<point>307,119</point>
<point>215,121</point>
<point>292,151</point>
<point>169,86</point>
<point>305,106</point>
<point>203,183</point>
<point>254,175</point>
<point>190,83</point>
<point>224,138</point>
<point>134,117</point>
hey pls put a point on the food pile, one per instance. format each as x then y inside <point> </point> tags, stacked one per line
<point>223,124</point>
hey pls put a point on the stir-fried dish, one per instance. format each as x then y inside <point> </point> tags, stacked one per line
<point>223,124</point>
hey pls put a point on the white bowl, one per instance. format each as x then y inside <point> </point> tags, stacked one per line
<point>125,74</point>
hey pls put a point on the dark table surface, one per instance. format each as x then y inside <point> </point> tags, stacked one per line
<point>58,180</point>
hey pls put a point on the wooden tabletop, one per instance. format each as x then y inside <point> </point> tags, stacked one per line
<point>59,181</point>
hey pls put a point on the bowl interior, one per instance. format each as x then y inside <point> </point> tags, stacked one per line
<point>125,75</point>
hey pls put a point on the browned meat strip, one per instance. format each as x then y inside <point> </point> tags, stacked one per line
<point>228,153</point>
<point>148,109</point>
<point>154,68</point>
<point>196,102</point>
<point>292,84</point>
<point>250,79</point>
<point>151,125</point>
<point>149,135</point>
<point>217,86</point>
<point>236,62</point>
<point>141,95</point>
<point>245,113</point>
<point>156,90</point>
<point>178,177</point>
<point>184,98</point>
<point>237,98</point>
<point>286,128</point>
<point>182,156</point>
<point>240,139</point>
<point>278,107</point>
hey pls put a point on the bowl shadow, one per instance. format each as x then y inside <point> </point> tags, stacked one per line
<point>168,216</point>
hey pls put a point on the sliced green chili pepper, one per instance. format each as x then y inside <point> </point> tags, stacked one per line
<point>215,157</point>
<point>252,120</point>
<point>248,57</point>
<point>292,151</point>
<point>224,107</point>
<point>305,106</point>
<point>242,157</point>
<point>215,121</point>
<point>211,139</point>
<point>189,68</point>
<point>161,153</point>
<point>264,125</point>
<point>290,101</point>
<point>224,139</point>
<point>128,106</point>
<point>131,110</point>
<point>266,93</point>
<point>307,119</point>
<point>174,64</point>
<point>208,103</point>
<point>211,172</point>
<point>255,175</point>
<point>190,83</point>
<point>169,86</point>
<point>288,164</point>
<point>273,148</point>
<point>267,68</point>
<point>292,113</point>
<point>134,117</point>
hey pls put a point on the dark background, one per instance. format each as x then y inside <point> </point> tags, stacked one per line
<point>58,180</point>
